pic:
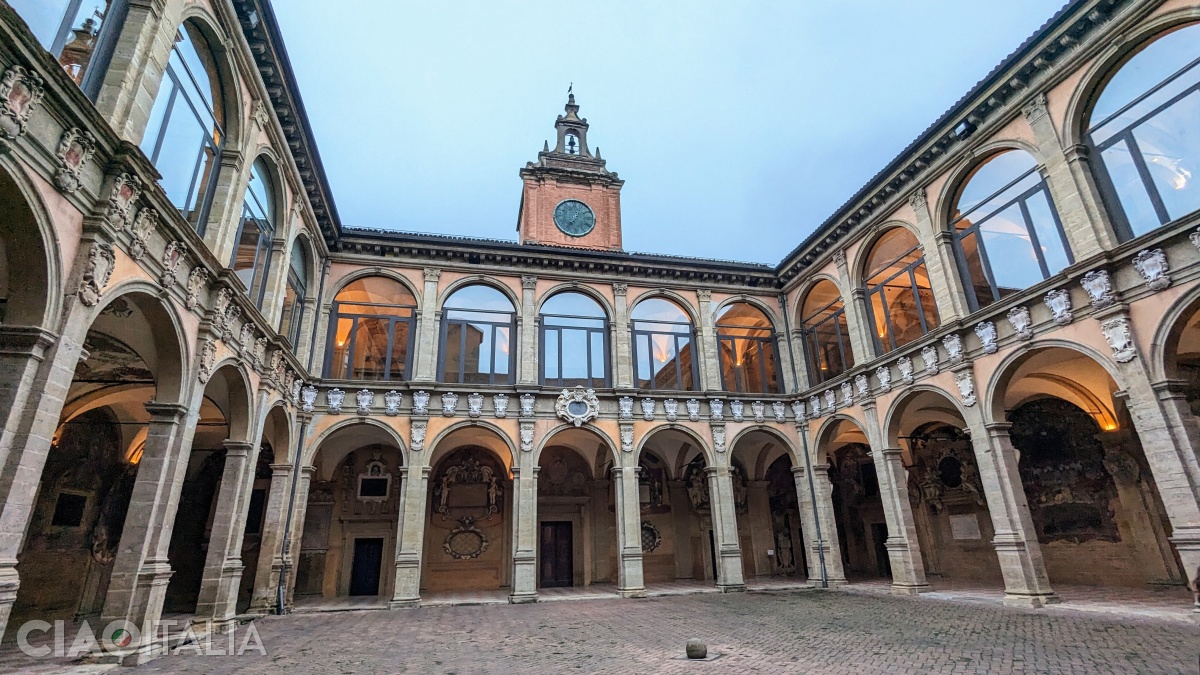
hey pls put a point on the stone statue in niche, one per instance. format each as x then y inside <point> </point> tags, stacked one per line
<point>696,481</point>
<point>468,487</point>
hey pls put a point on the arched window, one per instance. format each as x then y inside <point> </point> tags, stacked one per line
<point>574,341</point>
<point>75,32</point>
<point>746,343</point>
<point>827,346</point>
<point>252,257</point>
<point>1143,127</point>
<point>898,293</point>
<point>371,331</point>
<point>662,346</point>
<point>184,134</point>
<point>478,337</point>
<point>1006,231</point>
<point>293,298</point>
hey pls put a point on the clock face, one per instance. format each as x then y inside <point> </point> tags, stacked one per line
<point>574,217</point>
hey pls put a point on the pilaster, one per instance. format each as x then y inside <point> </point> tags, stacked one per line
<point>904,549</point>
<point>524,579</point>
<point>630,580</point>
<point>730,577</point>
<point>409,538</point>
<point>527,365</point>
<point>427,329</point>
<point>622,349</point>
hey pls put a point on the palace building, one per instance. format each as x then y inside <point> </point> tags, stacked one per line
<point>218,400</point>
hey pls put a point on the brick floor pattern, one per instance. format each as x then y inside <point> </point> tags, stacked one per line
<point>771,632</point>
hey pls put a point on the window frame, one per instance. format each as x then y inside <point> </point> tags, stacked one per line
<point>602,330</point>
<point>674,336</point>
<point>769,339</point>
<point>908,270</point>
<point>335,316</point>
<point>266,237</point>
<point>808,336</point>
<point>106,42</point>
<point>447,321</point>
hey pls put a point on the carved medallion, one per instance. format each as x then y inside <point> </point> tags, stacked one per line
<point>716,409</point>
<point>671,406</point>
<point>905,365</point>
<point>1021,321</point>
<point>578,406</point>
<point>75,150</point>
<point>20,92</point>
<point>693,409</point>
<point>421,403</point>
<point>1152,265</point>
<point>474,405</point>
<point>449,404</point>
<point>101,261</point>
<point>758,408</point>
<point>334,398</point>
<point>391,402</point>
<point>648,409</point>
<point>1059,303</point>
<point>966,387</point>
<point>308,398</point>
<point>1119,334</point>
<point>500,406</point>
<point>365,398</point>
<point>986,330</point>
<point>1099,288</point>
<point>929,356</point>
<point>738,409</point>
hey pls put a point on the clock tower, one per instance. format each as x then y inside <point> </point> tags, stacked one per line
<point>568,197</point>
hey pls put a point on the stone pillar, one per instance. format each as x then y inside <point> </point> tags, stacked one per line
<point>1144,528</point>
<point>801,365</point>
<point>275,283</point>
<point>904,549</point>
<point>292,554</point>
<point>525,534</point>
<point>135,72</point>
<point>225,216</point>
<point>410,537</point>
<point>829,545</point>
<point>758,523</point>
<point>527,363</point>
<point>1017,548</point>
<point>138,582</point>
<point>223,563</point>
<point>724,521</point>
<point>681,528</point>
<point>854,302</point>
<point>944,279</point>
<point>630,580</point>
<point>622,349</point>
<point>270,554</point>
<point>706,333</point>
<point>428,329</point>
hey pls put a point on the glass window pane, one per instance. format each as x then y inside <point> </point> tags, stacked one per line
<point>376,290</point>
<point>598,358</point>
<point>1171,147</point>
<point>889,254</point>
<point>659,309</point>
<point>573,304</point>
<point>285,314</point>
<point>479,297</point>
<point>1006,240</point>
<point>550,357</point>
<point>1049,238</point>
<point>993,175</point>
<point>452,351</point>
<point>928,306</point>
<point>502,361</point>
<point>685,363</point>
<point>43,16</point>
<point>978,280</point>
<point>477,357</point>
<point>80,41</point>
<point>1155,63</point>
<point>821,301</point>
<point>400,334</point>
<point>574,355</point>
<point>1127,182</point>
<point>339,365</point>
<point>880,318</point>
<point>645,374</point>
<point>370,349</point>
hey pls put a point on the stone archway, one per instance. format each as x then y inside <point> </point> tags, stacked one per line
<point>768,515</point>
<point>856,498</point>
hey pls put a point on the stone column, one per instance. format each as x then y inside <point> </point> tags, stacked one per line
<point>225,215</point>
<point>706,333</point>
<point>428,329</point>
<point>681,529</point>
<point>1015,540</point>
<point>270,555</point>
<point>135,72</point>
<point>854,301</point>
<point>829,545</point>
<point>223,563</point>
<point>292,554</point>
<point>758,523</point>
<point>276,283</point>
<point>527,364</point>
<point>904,549</point>
<point>138,582</point>
<point>525,534</point>
<point>622,349</point>
<point>1144,527</point>
<point>410,537</point>
<point>944,279</point>
<point>724,521</point>
<point>801,365</point>
<point>630,580</point>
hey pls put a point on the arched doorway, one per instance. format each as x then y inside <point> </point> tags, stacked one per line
<point>769,518</point>
<point>857,501</point>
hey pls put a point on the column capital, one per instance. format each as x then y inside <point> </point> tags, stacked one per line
<point>529,282</point>
<point>280,470</point>
<point>891,453</point>
<point>308,470</point>
<point>716,470</point>
<point>998,428</point>
<point>165,412</point>
<point>432,274</point>
<point>238,448</point>
<point>533,471</point>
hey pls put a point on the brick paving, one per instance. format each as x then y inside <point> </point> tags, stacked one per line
<point>760,632</point>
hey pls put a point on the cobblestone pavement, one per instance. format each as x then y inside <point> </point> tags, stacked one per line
<point>776,632</point>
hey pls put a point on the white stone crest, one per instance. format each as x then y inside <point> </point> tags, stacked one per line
<point>172,257</point>
<point>526,436</point>
<point>1120,338</point>
<point>577,406</point>
<point>144,225</point>
<point>334,399</point>
<point>475,405</point>
<point>929,356</point>
<point>195,286</point>
<point>232,328</point>
<point>954,348</point>
<point>391,402</point>
<point>905,365</point>
<point>125,190</point>
<point>1021,321</point>
<point>626,438</point>
<point>260,353</point>
<point>20,92</point>
<point>738,409</point>
<point>1195,238</point>
<point>693,409</point>
<point>648,409</point>
<point>780,411</point>
<point>365,399</point>
<point>1099,288</point>
<point>101,261</point>
<point>716,409</point>
<point>847,393</point>
<point>295,388</point>
<point>718,432</point>
<point>625,406</point>
<point>308,398</point>
<point>671,406</point>
<point>758,408</point>
<point>863,385</point>
<point>1059,303</point>
<point>1152,265</point>
<point>449,404</point>
<point>966,387</point>
<point>986,330</point>
<point>500,406</point>
<point>221,304</point>
<point>830,400</point>
<point>421,403</point>
<point>75,150</point>
<point>246,340</point>
<point>417,435</point>
<point>208,359</point>
<point>884,375</point>
<point>814,406</point>
<point>798,410</point>
<point>527,405</point>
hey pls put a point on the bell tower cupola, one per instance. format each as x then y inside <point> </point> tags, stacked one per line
<point>569,198</point>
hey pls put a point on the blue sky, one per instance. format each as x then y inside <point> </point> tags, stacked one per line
<point>738,126</point>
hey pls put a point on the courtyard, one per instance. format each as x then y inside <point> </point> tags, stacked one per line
<point>806,631</point>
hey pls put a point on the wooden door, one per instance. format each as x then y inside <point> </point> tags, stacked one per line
<point>364,569</point>
<point>557,568</point>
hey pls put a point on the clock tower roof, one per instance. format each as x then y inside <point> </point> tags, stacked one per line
<point>571,150</point>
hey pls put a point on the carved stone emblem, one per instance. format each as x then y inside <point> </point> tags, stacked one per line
<point>1099,288</point>
<point>1059,303</point>
<point>218,310</point>
<point>295,387</point>
<point>625,408</point>
<point>416,435</point>
<point>929,356</point>
<point>75,150</point>
<point>863,385</point>
<point>905,365</point>
<point>1021,321</point>
<point>1152,265</point>
<point>1195,238</point>
<point>839,257</point>
<point>693,409</point>
<point>884,375</point>
<point>172,257</point>
<point>986,330</point>
<point>475,405</point>
<point>334,399</point>
<point>954,348</point>
<point>626,438</point>
<point>798,410</point>
<point>232,327</point>
<point>780,411</point>
<point>814,406</point>
<point>465,541</point>
<point>208,359</point>
<point>847,393</point>
<point>195,286</point>
<point>308,398</point>
<point>421,403</point>
<point>1120,338</point>
<point>738,409</point>
<point>526,436</point>
<point>125,190</point>
<point>391,402</point>
<point>758,408</point>
<point>449,404</point>
<point>966,387</point>
<point>101,261</point>
<point>365,398</point>
<point>718,432</point>
<point>246,340</point>
<point>830,400</point>
<point>500,405</point>
<point>20,92</point>
<point>716,409</point>
<point>260,353</point>
<point>527,405</point>
<point>671,406</point>
<point>577,406</point>
<point>648,409</point>
<point>144,225</point>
